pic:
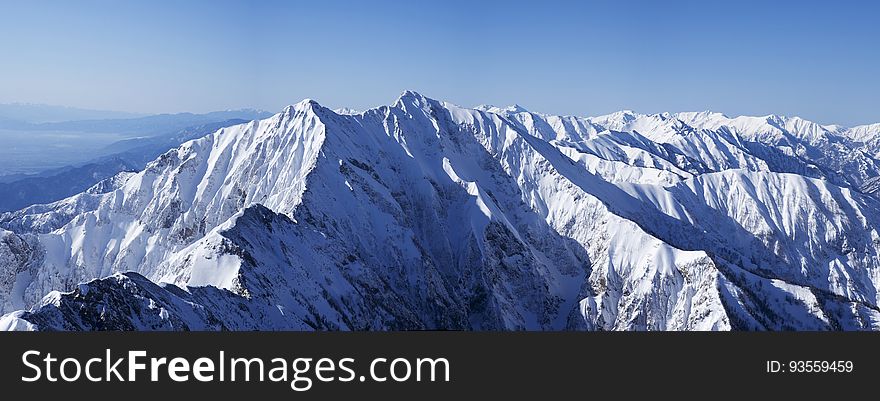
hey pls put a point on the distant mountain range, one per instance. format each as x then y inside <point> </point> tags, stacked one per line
<point>43,113</point>
<point>148,125</point>
<point>151,136</point>
<point>128,155</point>
<point>427,215</point>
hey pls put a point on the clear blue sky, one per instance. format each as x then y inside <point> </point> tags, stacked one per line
<point>816,59</point>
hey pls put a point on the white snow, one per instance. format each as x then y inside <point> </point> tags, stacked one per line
<point>628,221</point>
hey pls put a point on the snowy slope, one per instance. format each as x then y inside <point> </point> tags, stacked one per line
<point>176,199</point>
<point>424,214</point>
<point>812,232</point>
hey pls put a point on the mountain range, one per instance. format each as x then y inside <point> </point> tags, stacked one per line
<point>427,215</point>
<point>44,113</point>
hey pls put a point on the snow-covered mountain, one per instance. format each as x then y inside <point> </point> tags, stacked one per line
<point>425,215</point>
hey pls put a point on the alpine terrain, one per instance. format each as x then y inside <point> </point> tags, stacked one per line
<point>427,215</point>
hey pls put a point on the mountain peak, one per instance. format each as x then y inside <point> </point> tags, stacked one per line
<point>624,116</point>
<point>410,94</point>
<point>513,109</point>
<point>346,111</point>
<point>301,106</point>
<point>413,98</point>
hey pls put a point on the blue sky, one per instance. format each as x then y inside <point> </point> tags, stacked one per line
<point>818,60</point>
